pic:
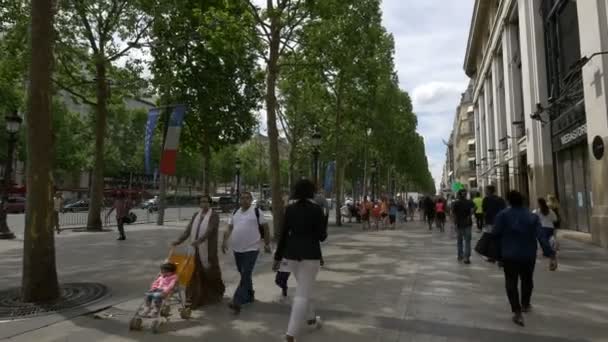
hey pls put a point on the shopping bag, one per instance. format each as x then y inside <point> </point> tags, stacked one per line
<point>488,246</point>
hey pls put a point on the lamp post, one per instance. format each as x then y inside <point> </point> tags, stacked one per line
<point>13,124</point>
<point>237,165</point>
<point>373,170</point>
<point>316,142</point>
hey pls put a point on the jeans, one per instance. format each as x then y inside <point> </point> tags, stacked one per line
<point>479,220</point>
<point>514,271</point>
<point>305,272</point>
<point>245,262</point>
<point>464,242</point>
<point>547,233</point>
<point>154,295</point>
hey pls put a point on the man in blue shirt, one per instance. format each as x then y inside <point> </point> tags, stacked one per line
<point>517,230</point>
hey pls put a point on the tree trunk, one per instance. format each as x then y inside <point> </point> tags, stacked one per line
<point>338,181</point>
<point>206,170</point>
<point>292,162</point>
<point>340,170</point>
<point>96,192</point>
<point>273,134</point>
<point>39,274</point>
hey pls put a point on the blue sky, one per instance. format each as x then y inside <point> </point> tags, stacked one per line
<point>430,42</point>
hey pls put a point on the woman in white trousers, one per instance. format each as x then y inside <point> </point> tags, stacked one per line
<point>304,228</point>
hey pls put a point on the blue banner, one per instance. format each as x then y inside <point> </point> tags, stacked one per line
<point>153,116</point>
<point>329,177</point>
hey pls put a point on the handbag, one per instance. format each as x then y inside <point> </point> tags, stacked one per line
<point>488,247</point>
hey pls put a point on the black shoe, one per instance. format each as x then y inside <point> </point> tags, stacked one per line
<point>518,319</point>
<point>460,259</point>
<point>121,238</point>
<point>526,308</point>
<point>467,261</point>
<point>236,309</point>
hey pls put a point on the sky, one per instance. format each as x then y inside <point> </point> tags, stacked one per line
<point>430,43</point>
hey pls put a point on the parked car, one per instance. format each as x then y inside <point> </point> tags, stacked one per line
<point>224,204</point>
<point>74,207</point>
<point>15,205</point>
<point>151,205</point>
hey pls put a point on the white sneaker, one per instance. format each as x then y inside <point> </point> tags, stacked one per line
<point>317,324</point>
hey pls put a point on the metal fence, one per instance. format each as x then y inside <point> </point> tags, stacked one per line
<point>74,220</point>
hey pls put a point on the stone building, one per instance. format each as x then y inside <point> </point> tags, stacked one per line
<point>464,143</point>
<point>539,70</point>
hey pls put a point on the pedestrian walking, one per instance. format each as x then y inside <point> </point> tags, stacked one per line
<point>246,229</point>
<point>377,215</point>
<point>491,206</point>
<point>462,213</point>
<point>429,210</point>
<point>206,286</point>
<point>478,200</point>
<point>300,245</point>
<point>57,207</point>
<point>393,210</point>
<point>384,212</point>
<point>440,209</point>
<point>517,231</point>
<point>553,204</point>
<point>411,208</point>
<point>548,219</point>
<point>365,210</point>
<point>121,206</point>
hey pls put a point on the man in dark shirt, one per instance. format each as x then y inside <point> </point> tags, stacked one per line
<point>462,211</point>
<point>491,205</point>
<point>429,210</point>
<point>517,231</point>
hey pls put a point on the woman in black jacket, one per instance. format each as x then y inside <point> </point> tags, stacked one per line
<point>303,231</point>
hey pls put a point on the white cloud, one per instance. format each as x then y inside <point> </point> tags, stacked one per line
<point>437,96</point>
<point>430,42</point>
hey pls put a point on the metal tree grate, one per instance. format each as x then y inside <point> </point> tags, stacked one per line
<point>73,295</point>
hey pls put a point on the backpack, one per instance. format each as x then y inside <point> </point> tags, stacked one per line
<point>257,216</point>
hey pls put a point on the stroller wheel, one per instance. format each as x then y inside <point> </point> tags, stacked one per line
<point>135,323</point>
<point>185,313</point>
<point>156,326</point>
<point>165,311</point>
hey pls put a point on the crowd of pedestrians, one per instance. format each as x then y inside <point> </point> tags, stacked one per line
<point>509,226</point>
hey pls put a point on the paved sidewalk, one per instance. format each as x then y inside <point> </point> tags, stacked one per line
<point>396,286</point>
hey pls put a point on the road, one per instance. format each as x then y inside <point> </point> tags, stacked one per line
<point>399,286</point>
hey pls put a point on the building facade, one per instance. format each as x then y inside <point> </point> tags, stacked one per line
<point>540,77</point>
<point>464,142</point>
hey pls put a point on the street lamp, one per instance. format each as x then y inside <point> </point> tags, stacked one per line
<point>374,168</point>
<point>237,166</point>
<point>316,142</point>
<point>13,124</point>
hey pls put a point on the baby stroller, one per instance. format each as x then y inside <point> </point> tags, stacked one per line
<point>185,268</point>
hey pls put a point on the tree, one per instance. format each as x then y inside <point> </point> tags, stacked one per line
<point>360,58</point>
<point>205,57</point>
<point>39,279</point>
<point>277,25</point>
<point>88,48</point>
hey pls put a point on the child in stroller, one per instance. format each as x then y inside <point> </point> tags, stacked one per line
<point>161,288</point>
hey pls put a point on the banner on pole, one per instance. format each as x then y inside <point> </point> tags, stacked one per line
<point>153,116</point>
<point>169,157</point>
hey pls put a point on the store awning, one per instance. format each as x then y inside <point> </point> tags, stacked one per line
<point>471,158</point>
<point>471,142</point>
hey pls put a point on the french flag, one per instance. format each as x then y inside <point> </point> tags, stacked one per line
<point>169,157</point>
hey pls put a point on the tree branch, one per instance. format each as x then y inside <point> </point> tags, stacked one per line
<point>290,32</point>
<point>72,92</point>
<point>85,22</point>
<point>265,27</point>
<point>134,43</point>
<point>284,124</point>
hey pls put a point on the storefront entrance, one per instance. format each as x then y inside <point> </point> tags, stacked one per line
<point>575,192</point>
